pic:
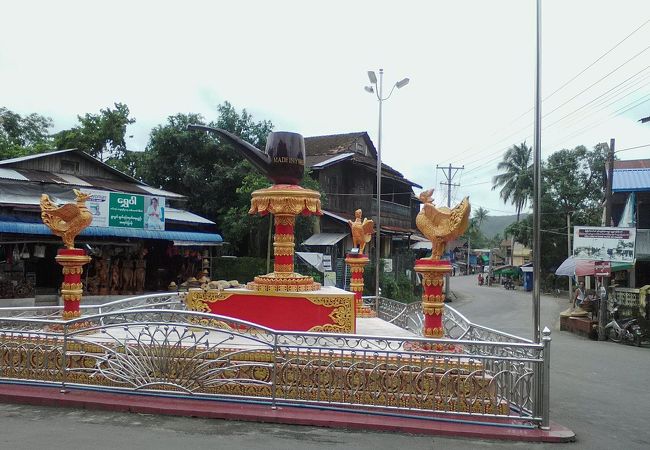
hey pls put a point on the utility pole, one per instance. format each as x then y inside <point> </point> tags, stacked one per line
<point>602,310</point>
<point>569,252</point>
<point>449,184</point>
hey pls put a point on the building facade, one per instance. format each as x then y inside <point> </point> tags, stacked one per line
<point>131,251</point>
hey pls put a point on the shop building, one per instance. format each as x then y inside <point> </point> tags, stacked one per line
<point>141,238</point>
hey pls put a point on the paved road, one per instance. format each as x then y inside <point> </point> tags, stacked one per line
<point>601,390</point>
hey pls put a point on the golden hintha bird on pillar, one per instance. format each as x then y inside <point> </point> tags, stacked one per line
<point>361,231</point>
<point>68,220</point>
<point>441,225</point>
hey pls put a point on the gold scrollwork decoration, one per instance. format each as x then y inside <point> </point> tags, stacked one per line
<point>284,219</point>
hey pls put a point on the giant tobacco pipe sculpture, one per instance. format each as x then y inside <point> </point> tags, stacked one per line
<point>282,162</point>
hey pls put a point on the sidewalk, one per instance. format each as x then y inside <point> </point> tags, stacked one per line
<point>364,420</point>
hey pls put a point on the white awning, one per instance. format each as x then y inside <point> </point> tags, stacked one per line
<point>324,239</point>
<point>196,244</point>
<point>314,259</point>
<point>185,216</point>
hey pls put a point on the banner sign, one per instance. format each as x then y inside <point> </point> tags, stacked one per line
<point>604,243</point>
<point>119,209</point>
<point>602,268</point>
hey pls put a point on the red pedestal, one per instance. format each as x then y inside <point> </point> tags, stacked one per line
<point>72,260</point>
<point>357,263</point>
<point>326,310</point>
<point>433,298</point>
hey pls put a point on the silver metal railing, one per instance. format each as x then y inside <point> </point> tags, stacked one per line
<point>146,346</point>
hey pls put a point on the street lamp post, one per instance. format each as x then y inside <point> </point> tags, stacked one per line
<point>378,89</point>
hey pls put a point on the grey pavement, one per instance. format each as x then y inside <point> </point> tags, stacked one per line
<point>598,389</point>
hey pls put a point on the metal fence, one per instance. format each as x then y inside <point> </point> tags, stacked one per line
<point>149,344</point>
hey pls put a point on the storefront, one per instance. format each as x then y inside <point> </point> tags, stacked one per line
<point>140,238</point>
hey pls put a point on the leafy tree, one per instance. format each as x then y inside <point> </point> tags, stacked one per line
<point>131,163</point>
<point>101,135</point>
<point>23,135</point>
<point>572,186</point>
<point>214,176</point>
<point>480,215</point>
<point>516,181</point>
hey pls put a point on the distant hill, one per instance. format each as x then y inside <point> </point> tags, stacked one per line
<point>493,225</point>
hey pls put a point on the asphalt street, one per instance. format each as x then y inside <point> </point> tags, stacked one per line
<point>598,389</point>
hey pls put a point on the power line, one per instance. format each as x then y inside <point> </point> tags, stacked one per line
<point>572,79</point>
<point>632,148</point>
<point>598,59</point>
<point>498,152</point>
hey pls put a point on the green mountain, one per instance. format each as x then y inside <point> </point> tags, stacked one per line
<point>493,225</point>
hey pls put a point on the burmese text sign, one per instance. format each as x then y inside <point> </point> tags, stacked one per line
<point>604,243</point>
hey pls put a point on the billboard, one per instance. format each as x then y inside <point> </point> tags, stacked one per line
<point>119,209</point>
<point>604,243</point>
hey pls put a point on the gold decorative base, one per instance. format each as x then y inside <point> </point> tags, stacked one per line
<point>283,282</point>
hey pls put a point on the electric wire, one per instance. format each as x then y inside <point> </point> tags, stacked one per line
<point>569,81</point>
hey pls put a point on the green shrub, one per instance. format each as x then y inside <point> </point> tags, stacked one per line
<point>243,269</point>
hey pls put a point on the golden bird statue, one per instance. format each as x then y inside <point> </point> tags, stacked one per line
<point>362,231</point>
<point>441,225</point>
<point>66,221</point>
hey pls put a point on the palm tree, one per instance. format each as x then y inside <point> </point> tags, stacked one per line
<point>480,215</point>
<point>516,179</point>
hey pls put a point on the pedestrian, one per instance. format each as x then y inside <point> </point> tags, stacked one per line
<point>579,295</point>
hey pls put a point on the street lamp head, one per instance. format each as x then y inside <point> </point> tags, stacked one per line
<point>372,77</point>
<point>400,84</point>
<point>369,89</point>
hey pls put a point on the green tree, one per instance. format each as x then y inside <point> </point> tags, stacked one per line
<point>131,163</point>
<point>572,186</point>
<point>516,179</point>
<point>214,176</point>
<point>480,215</point>
<point>23,135</point>
<point>101,135</point>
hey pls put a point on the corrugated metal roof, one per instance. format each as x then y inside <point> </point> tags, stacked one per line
<point>40,229</point>
<point>136,186</point>
<point>332,160</point>
<point>35,156</point>
<point>631,180</point>
<point>11,174</point>
<point>324,238</point>
<point>71,179</point>
<point>185,216</point>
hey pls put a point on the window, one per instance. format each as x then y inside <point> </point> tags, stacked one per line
<point>361,148</point>
<point>68,166</point>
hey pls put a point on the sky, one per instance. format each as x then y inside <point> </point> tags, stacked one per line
<point>303,65</point>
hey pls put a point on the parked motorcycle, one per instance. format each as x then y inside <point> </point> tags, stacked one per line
<point>509,284</point>
<point>623,330</point>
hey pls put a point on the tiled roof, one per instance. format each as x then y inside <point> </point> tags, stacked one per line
<point>632,164</point>
<point>320,149</point>
<point>333,143</point>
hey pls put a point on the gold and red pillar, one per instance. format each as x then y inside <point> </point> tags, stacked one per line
<point>285,202</point>
<point>72,260</point>
<point>357,263</point>
<point>283,243</point>
<point>433,297</point>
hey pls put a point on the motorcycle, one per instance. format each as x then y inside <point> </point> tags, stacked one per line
<point>509,284</point>
<point>623,330</point>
